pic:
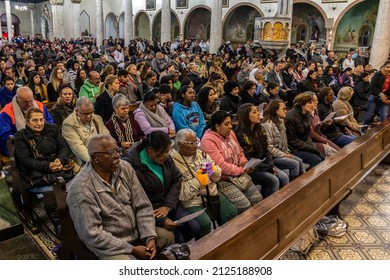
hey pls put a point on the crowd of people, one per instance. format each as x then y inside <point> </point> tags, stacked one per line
<point>163,131</point>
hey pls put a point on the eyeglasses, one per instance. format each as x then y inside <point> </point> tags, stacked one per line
<point>194,143</point>
<point>86,114</point>
<point>112,153</point>
<point>26,101</point>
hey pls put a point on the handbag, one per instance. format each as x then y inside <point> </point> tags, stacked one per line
<point>304,243</point>
<point>242,182</point>
<point>39,179</point>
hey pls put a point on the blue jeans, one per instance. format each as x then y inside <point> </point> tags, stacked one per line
<point>269,182</point>
<point>309,158</point>
<point>294,165</point>
<point>344,140</point>
<point>373,104</point>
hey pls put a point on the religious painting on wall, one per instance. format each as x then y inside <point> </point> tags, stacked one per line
<point>356,28</point>
<point>150,5</point>
<point>225,3</point>
<point>181,4</point>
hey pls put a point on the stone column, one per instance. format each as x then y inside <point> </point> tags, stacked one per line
<point>216,26</point>
<point>32,8</point>
<point>129,27</point>
<point>57,7</point>
<point>76,18</point>
<point>10,30</point>
<point>166,21</point>
<point>381,42</point>
<point>99,23</point>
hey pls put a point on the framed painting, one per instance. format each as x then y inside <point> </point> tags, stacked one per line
<point>181,4</point>
<point>150,5</point>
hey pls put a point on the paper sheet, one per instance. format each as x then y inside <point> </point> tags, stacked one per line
<point>329,117</point>
<point>342,117</point>
<point>253,162</point>
<point>190,217</point>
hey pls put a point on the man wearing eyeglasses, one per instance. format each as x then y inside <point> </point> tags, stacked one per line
<point>110,210</point>
<point>12,116</point>
<point>80,126</point>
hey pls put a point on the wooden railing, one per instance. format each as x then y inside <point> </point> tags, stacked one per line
<point>270,228</point>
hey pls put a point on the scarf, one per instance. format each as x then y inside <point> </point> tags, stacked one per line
<point>157,119</point>
<point>128,135</point>
<point>19,114</point>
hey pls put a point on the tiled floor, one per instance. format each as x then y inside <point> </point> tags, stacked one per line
<point>367,211</point>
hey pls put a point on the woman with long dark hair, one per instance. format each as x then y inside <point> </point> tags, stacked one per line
<point>220,142</point>
<point>206,99</point>
<point>253,140</point>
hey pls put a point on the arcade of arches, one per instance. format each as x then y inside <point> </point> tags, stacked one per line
<point>334,24</point>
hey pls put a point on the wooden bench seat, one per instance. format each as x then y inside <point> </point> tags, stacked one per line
<point>270,228</point>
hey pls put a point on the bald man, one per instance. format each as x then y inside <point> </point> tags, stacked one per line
<point>110,210</point>
<point>12,116</point>
<point>90,88</point>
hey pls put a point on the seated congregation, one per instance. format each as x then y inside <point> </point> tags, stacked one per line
<point>142,158</point>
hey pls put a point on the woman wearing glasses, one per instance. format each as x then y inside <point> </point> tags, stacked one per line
<point>199,184</point>
<point>41,150</point>
<point>161,181</point>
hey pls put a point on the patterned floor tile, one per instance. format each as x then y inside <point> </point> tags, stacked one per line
<point>367,212</point>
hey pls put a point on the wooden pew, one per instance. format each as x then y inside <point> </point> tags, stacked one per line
<point>71,247</point>
<point>270,228</point>
<point>22,198</point>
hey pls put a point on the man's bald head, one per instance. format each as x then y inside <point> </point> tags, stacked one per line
<point>24,98</point>
<point>94,78</point>
<point>99,142</point>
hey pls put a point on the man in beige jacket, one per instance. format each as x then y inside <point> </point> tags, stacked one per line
<point>80,126</point>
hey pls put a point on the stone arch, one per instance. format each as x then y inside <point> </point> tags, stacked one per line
<point>121,23</point>
<point>142,25</point>
<point>314,20</point>
<point>366,34</point>
<point>111,26</point>
<point>15,23</point>
<point>366,12</point>
<point>85,23</point>
<point>197,23</point>
<point>239,21</point>
<point>156,26</point>
<point>302,33</point>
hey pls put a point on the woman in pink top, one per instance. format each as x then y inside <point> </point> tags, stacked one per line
<point>220,142</point>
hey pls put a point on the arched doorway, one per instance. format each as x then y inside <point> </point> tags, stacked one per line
<point>15,25</point>
<point>142,26</point>
<point>111,26</point>
<point>308,24</point>
<point>197,25</point>
<point>239,24</point>
<point>356,28</point>
<point>122,25</point>
<point>156,29</point>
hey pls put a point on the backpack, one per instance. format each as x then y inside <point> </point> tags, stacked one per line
<point>331,225</point>
<point>304,243</point>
